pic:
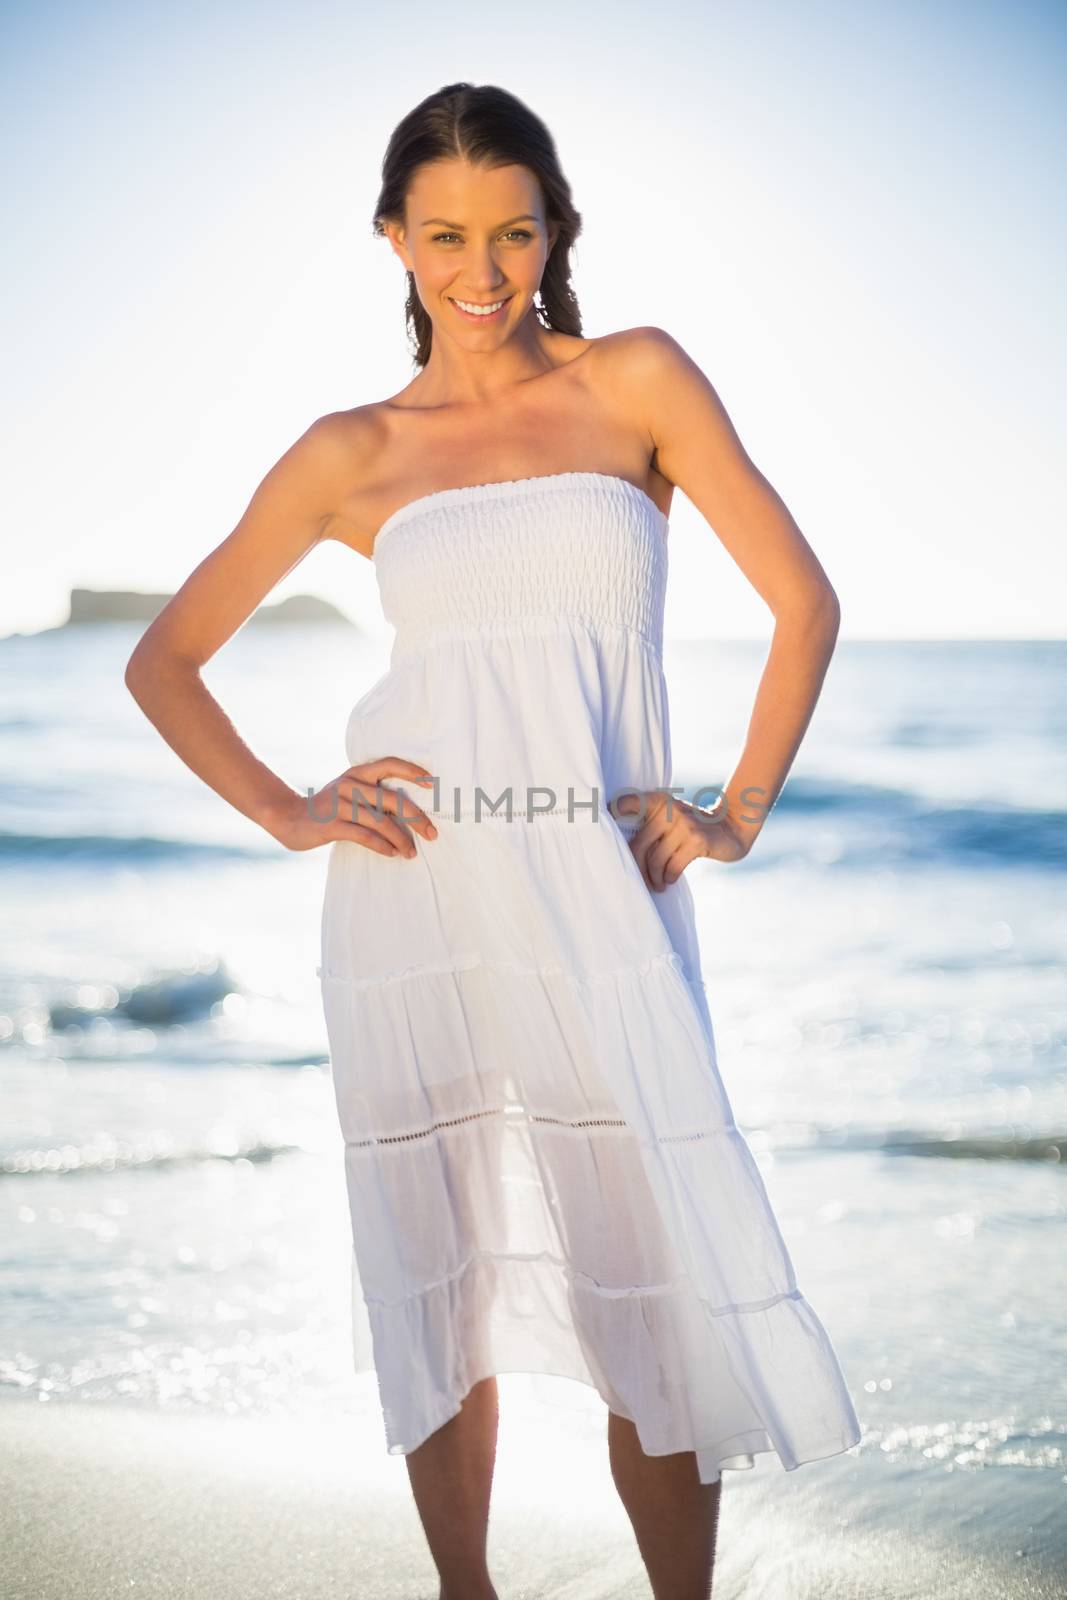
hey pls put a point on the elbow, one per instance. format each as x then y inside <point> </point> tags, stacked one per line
<point>817,609</point>
<point>138,668</point>
<point>830,609</point>
<point>826,619</point>
<point>821,604</point>
<point>145,666</point>
<point>151,662</point>
<point>132,674</point>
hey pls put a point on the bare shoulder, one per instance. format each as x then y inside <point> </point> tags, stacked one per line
<point>674,399</point>
<point>637,371</point>
<point>338,443</point>
<point>609,355</point>
<point>307,483</point>
<point>286,517</point>
<point>347,445</point>
<point>698,449</point>
<point>638,355</point>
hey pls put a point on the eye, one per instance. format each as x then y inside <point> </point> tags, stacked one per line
<point>520,233</point>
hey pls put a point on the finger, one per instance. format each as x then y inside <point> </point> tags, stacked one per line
<point>648,836</point>
<point>381,801</point>
<point>655,859</point>
<point>366,812</point>
<point>644,838</point>
<point>655,820</point>
<point>396,767</point>
<point>393,801</point>
<point>660,853</point>
<point>677,862</point>
<point>367,836</point>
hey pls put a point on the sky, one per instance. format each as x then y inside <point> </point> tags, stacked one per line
<point>850,215</point>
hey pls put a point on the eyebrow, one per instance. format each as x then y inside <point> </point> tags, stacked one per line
<point>429,221</point>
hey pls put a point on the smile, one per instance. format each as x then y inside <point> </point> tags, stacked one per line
<point>476,313</point>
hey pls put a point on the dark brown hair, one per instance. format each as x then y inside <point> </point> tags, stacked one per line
<point>484,125</point>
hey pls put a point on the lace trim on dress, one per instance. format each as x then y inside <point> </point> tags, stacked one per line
<point>519,1114</point>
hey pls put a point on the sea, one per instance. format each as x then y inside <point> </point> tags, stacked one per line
<point>887,971</point>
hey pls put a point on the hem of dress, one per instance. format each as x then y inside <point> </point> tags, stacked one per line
<point>743,1460</point>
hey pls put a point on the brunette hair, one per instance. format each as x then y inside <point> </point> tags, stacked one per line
<point>486,125</point>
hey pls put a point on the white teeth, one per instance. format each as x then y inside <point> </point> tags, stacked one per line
<point>479,311</point>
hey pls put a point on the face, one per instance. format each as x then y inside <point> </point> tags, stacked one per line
<point>475,236</point>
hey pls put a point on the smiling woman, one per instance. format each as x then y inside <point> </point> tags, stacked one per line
<point>473,308</point>
<point>523,242</point>
<point>543,1167</point>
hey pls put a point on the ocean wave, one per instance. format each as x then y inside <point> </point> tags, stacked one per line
<point>107,849</point>
<point>173,997</point>
<point>117,1156</point>
<point>1020,1145</point>
<point>873,823</point>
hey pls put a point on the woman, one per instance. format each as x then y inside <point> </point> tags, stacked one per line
<point>543,1167</point>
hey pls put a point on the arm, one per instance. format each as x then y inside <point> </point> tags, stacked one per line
<point>286,517</point>
<point>282,522</point>
<point>697,448</point>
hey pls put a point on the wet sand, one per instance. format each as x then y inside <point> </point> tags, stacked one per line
<point>100,1500</point>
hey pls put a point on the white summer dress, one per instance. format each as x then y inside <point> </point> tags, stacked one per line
<point>543,1169</point>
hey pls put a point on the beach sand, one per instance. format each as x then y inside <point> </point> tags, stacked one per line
<point>103,1499</point>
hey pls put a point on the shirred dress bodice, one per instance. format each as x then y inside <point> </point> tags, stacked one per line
<point>496,556</point>
<point>527,657</point>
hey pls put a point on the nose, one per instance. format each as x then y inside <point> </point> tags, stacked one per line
<point>482,272</point>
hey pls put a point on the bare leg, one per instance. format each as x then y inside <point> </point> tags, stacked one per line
<point>451,1475</point>
<point>675,1517</point>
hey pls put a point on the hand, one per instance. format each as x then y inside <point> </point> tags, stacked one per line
<point>359,808</point>
<point>674,833</point>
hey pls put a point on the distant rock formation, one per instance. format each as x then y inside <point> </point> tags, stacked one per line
<point>130,605</point>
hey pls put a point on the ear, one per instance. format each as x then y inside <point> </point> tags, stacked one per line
<point>394,232</point>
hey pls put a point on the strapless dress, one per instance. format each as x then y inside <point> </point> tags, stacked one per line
<point>543,1168</point>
